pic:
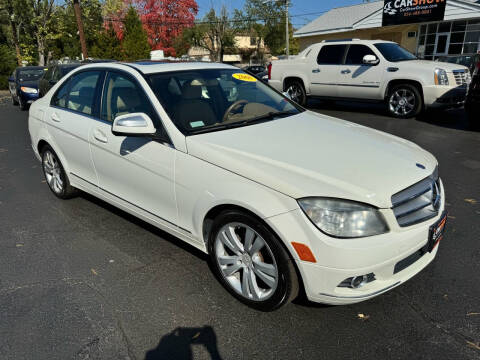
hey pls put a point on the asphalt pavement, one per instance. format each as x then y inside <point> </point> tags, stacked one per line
<point>80,279</point>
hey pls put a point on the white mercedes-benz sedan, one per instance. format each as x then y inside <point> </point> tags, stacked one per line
<point>283,200</point>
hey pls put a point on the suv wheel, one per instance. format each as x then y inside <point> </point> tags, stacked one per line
<point>404,101</point>
<point>296,91</point>
<point>250,262</point>
<point>55,175</point>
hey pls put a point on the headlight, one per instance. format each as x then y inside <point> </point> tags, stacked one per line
<point>343,218</point>
<point>441,77</point>
<point>28,90</point>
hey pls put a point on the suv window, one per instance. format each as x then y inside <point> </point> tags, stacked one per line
<point>331,54</point>
<point>121,96</point>
<point>356,53</point>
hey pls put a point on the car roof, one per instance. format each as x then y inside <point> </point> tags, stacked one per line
<point>150,67</point>
<point>354,41</point>
<point>31,67</point>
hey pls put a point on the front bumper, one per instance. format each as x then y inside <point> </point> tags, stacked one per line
<point>28,98</point>
<point>444,96</point>
<point>339,259</point>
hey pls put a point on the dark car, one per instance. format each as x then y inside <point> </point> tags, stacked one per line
<point>53,74</point>
<point>472,103</point>
<point>23,85</point>
<point>254,69</point>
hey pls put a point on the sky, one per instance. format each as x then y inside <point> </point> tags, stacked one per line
<point>297,8</point>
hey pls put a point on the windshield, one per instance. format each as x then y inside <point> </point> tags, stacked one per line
<point>394,52</point>
<point>200,101</point>
<point>30,74</point>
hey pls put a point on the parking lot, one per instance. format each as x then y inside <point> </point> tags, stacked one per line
<point>80,279</point>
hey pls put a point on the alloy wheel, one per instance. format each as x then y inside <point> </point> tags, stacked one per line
<point>295,93</point>
<point>246,261</point>
<point>402,102</point>
<point>53,172</point>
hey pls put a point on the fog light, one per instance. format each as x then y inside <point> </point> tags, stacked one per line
<point>356,282</point>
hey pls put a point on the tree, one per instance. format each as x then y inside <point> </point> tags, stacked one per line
<point>107,46</point>
<point>113,12</point>
<point>7,65</point>
<point>43,25</point>
<point>165,20</point>
<point>213,34</point>
<point>12,10</point>
<point>135,41</point>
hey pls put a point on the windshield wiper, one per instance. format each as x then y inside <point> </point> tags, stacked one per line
<point>268,116</point>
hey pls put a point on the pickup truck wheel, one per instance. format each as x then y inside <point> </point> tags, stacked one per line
<point>14,102</point>
<point>296,91</point>
<point>404,101</point>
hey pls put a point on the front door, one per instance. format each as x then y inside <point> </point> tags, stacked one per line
<point>441,44</point>
<point>359,80</point>
<point>325,70</point>
<point>137,170</point>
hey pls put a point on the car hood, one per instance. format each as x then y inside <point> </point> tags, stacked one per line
<point>31,83</point>
<point>309,154</point>
<point>431,65</point>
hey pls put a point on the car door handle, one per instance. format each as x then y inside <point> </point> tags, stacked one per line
<point>100,136</point>
<point>55,117</point>
<point>315,70</point>
<point>346,71</point>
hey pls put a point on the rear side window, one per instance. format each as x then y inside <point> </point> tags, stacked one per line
<point>82,92</point>
<point>331,54</point>
<point>356,53</point>
<point>60,97</point>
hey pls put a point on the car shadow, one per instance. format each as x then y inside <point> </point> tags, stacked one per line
<point>145,225</point>
<point>178,344</point>
<point>454,118</point>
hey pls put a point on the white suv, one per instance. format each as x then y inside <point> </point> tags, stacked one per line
<point>371,70</point>
<point>279,197</point>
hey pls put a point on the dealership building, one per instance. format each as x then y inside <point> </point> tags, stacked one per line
<point>431,29</point>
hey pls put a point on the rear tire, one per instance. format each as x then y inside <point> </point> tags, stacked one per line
<point>250,261</point>
<point>55,175</point>
<point>404,101</point>
<point>296,91</point>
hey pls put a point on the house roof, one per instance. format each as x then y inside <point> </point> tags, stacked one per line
<point>348,18</point>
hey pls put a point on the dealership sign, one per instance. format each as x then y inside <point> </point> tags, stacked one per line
<point>397,12</point>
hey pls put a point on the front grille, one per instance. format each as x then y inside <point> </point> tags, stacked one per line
<point>419,202</point>
<point>461,76</point>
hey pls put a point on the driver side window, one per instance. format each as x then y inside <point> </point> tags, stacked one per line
<point>121,95</point>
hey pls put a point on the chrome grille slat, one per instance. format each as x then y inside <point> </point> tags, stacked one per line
<point>461,76</point>
<point>418,202</point>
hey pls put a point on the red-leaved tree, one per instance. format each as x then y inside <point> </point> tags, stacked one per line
<point>164,21</point>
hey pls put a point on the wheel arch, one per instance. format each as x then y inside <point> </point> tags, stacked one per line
<point>396,82</point>
<point>218,209</point>
<point>290,78</point>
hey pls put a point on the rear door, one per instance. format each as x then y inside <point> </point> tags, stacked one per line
<point>70,117</point>
<point>325,71</point>
<point>359,80</point>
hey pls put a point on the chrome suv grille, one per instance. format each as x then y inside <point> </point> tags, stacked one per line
<point>461,76</point>
<point>419,202</point>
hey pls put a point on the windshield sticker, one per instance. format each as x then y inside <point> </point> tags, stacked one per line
<point>195,124</point>
<point>244,77</point>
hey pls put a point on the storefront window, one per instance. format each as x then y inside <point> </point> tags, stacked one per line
<point>449,40</point>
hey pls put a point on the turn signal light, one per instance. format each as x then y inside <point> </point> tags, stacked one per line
<point>304,252</point>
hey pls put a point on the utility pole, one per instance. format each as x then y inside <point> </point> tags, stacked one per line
<point>78,16</point>
<point>287,33</point>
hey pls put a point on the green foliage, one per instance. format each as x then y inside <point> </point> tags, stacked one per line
<point>107,46</point>
<point>135,42</point>
<point>214,34</point>
<point>8,63</point>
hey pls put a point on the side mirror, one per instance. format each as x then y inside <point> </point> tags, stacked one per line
<point>370,60</point>
<point>134,124</point>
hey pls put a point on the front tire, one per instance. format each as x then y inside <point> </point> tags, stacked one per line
<point>404,101</point>
<point>55,175</point>
<point>296,91</point>
<point>23,104</point>
<point>14,102</point>
<point>250,261</point>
